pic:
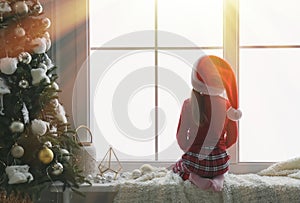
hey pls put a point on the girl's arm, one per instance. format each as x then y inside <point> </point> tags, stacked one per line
<point>182,129</point>
<point>232,133</point>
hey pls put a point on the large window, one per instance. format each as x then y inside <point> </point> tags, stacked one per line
<point>269,84</point>
<point>142,52</point>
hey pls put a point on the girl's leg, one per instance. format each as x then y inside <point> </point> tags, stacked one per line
<point>217,183</point>
<point>202,183</point>
<point>180,169</point>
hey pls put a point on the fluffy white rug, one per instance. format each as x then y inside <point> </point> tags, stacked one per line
<point>290,167</point>
<point>163,186</point>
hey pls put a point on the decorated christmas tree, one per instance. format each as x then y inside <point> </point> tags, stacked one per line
<point>36,142</point>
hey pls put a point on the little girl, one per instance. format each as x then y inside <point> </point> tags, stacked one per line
<point>208,124</point>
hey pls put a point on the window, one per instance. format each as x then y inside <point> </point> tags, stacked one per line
<point>142,53</point>
<point>141,58</point>
<point>269,90</point>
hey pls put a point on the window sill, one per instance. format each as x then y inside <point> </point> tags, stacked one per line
<point>236,168</point>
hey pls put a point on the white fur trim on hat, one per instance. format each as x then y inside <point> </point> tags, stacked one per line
<point>203,88</point>
<point>234,114</point>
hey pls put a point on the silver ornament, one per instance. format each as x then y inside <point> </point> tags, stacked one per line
<point>24,57</point>
<point>57,168</point>
<point>89,177</point>
<point>108,177</point>
<point>17,151</point>
<point>46,22</point>
<point>24,84</point>
<point>99,179</point>
<point>17,127</point>
<point>37,8</point>
<point>20,8</point>
<point>48,144</point>
<point>65,154</point>
<point>19,32</point>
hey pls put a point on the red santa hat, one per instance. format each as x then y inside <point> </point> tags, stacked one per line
<point>214,76</point>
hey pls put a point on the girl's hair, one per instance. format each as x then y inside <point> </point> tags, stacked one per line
<point>198,107</point>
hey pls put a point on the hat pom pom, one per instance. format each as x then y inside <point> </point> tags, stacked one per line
<point>234,114</point>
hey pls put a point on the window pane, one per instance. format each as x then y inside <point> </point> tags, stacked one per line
<point>174,86</point>
<point>269,97</point>
<point>122,103</point>
<point>110,19</point>
<point>200,21</point>
<point>265,22</point>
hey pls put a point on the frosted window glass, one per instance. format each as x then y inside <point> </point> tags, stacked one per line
<point>122,103</point>
<point>269,99</point>
<point>174,86</point>
<point>110,19</point>
<point>200,21</point>
<point>265,22</point>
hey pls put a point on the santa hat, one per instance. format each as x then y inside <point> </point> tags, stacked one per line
<point>214,76</point>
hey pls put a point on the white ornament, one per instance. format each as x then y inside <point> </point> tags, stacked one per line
<point>136,173</point>
<point>146,168</point>
<point>17,151</point>
<point>39,127</point>
<point>61,114</point>
<point>18,174</point>
<point>54,103</point>
<point>38,75</point>
<point>48,144</point>
<point>48,61</point>
<point>8,65</point>
<point>25,113</point>
<point>39,45</point>
<point>20,32</point>
<point>4,7</point>
<point>55,86</point>
<point>3,90</point>
<point>16,127</point>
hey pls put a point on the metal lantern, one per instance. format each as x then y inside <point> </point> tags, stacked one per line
<point>86,157</point>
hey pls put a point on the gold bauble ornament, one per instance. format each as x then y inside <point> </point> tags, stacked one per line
<point>46,155</point>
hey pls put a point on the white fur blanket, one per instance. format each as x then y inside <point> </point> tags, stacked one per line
<point>160,185</point>
<point>290,168</point>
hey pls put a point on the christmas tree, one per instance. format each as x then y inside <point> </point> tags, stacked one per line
<point>36,142</point>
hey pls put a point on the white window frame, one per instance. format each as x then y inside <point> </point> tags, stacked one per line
<point>80,102</point>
